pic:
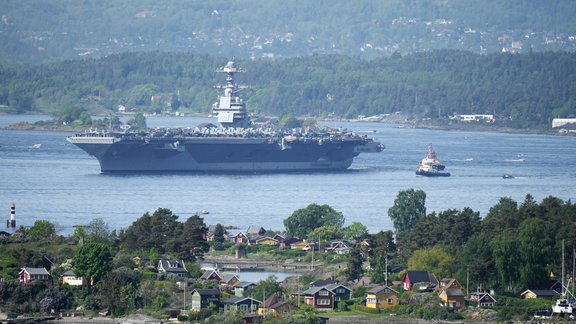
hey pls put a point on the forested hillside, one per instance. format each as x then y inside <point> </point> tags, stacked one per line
<point>35,31</point>
<point>522,90</point>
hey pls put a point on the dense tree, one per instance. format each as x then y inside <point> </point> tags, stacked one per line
<point>354,268</point>
<point>93,261</point>
<point>265,288</point>
<point>218,237</point>
<point>97,230</point>
<point>354,231</point>
<point>330,232</point>
<point>193,241</point>
<point>502,217</point>
<point>118,290</point>
<point>381,247</point>
<point>304,220</point>
<point>536,243</point>
<point>42,230</point>
<point>434,260</point>
<point>409,206</point>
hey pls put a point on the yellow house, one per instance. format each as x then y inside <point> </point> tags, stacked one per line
<point>267,241</point>
<point>299,245</point>
<point>382,297</point>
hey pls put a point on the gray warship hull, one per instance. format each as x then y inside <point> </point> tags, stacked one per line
<point>227,154</point>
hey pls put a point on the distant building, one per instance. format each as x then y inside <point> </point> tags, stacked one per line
<point>172,268</point>
<point>71,279</point>
<point>471,118</point>
<point>27,275</point>
<point>203,298</point>
<point>559,122</point>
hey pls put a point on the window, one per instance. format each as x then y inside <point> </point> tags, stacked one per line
<point>323,293</point>
<point>340,290</point>
<point>323,301</point>
<point>243,308</point>
<point>390,301</point>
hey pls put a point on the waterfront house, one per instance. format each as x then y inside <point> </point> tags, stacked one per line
<point>381,297</point>
<point>420,278</point>
<point>69,278</point>
<point>242,304</point>
<point>172,268</point>
<point>211,275</point>
<point>243,287</point>
<point>240,238</point>
<point>263,240</point>
<point>229,280</point>
<point>452,298</point>
<point>535,293</point>
<point>255,231</point>
<point>203,298</point>
<point>276,306</point>
<point>299,245</point>
<point>483,299</point>
<point>318,297</point>
<point>27,274</point>
<point>288,241</point>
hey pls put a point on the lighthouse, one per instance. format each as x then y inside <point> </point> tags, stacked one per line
<point>11,223</point>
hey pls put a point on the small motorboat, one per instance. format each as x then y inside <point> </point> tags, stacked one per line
<point>507,176</point>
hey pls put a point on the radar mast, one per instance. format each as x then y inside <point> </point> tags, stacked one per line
<point>230,108</point>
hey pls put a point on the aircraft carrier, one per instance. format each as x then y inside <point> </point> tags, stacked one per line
<point>235,146</point>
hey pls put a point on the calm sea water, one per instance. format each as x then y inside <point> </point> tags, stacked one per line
<point>61,183</point>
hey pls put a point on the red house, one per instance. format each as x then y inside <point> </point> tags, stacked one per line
<point>240,238</point>
<point>27,275</point>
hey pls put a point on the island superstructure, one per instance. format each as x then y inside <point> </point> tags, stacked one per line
<point>235,146</point>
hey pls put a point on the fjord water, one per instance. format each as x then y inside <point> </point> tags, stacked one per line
<point>61,183</point>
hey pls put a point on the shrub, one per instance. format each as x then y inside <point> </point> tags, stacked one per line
<point>365,309</point>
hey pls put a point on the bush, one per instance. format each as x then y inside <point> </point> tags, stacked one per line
<point>182,318</point>
<point>365,309</point>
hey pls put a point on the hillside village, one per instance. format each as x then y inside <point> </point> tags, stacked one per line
<point>211,286</point>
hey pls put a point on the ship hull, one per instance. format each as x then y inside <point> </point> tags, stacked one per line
<point>219,154</point>
<point>425,173</point>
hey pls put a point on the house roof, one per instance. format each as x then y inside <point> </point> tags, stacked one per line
<point>483,296</point>
<point>314,290</point>
<point>69,273</point>
<point>321,283</point>
<point>229,277</point>
<point>255,230</point>
<point>208,274</point>
<point>35,271</point>
<point>541,292</point>
<point>244,284</point>
<point>238,299</point>
<point>275,301</point>
<point>172,266</point>
<point>416,276</point>
<point>207,292</point>
<point>332,287</point>
<point>379,289</point>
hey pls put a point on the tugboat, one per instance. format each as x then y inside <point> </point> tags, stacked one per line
<point>430,166</point>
